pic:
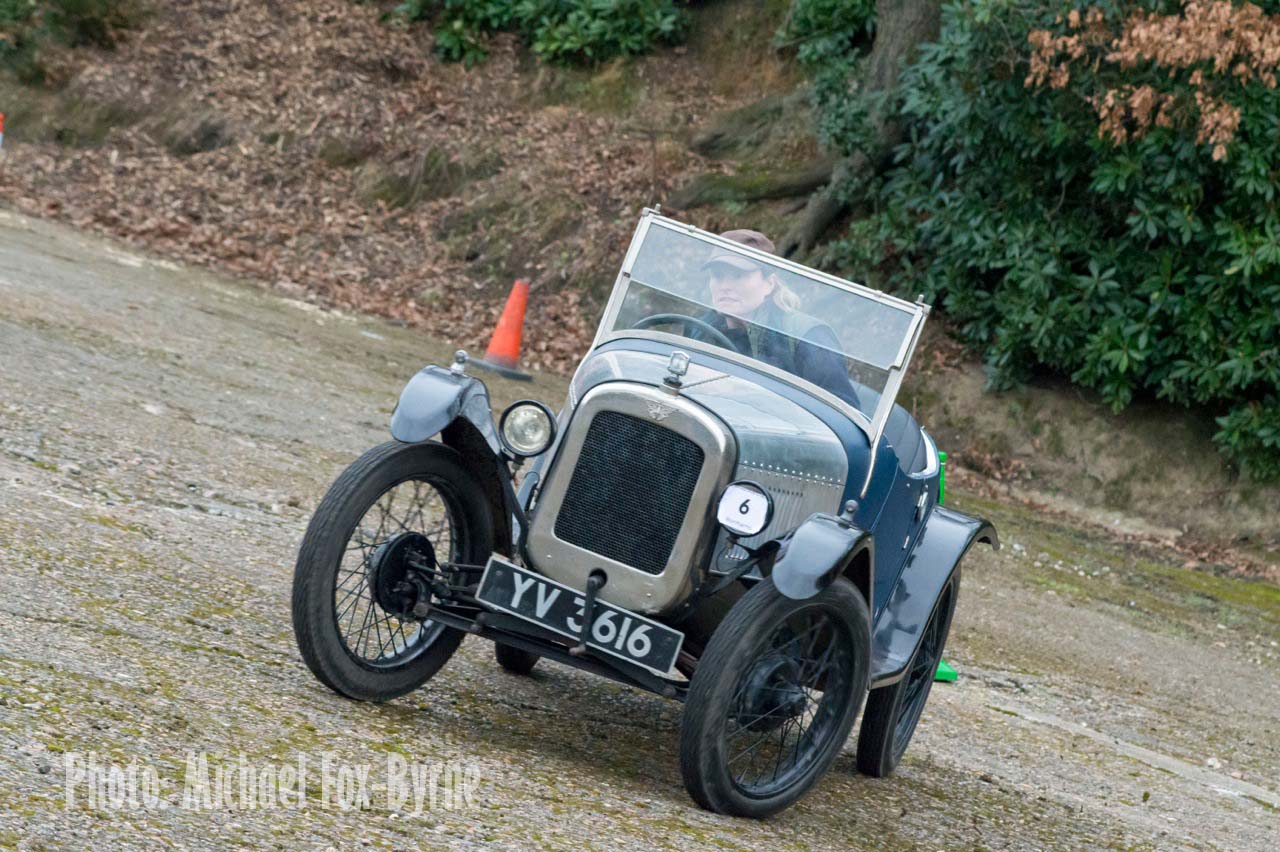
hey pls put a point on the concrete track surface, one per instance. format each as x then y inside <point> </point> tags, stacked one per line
<point>164,436</point>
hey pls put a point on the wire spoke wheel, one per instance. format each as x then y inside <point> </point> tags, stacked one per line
<point>774,697</point>
<point>923,665</point>
<point>370,633</point>
<point>893,711</point>
<point>389,522</point>
<point>779,716</point>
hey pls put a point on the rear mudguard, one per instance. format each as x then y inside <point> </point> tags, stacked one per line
<point>947,537</point>
<point>456,407</point>
<point>819,550</point>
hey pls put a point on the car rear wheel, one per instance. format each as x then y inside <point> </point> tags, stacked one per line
<point>514,660</point>
<point>396,508</point>
<point>773,698</point>
<point>894,711</point>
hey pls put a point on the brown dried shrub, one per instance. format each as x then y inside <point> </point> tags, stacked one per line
<point>1206,52</point>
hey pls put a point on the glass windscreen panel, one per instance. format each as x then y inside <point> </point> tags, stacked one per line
<point>837,339</point>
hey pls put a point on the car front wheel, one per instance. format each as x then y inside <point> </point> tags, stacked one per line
<point>774,698</point>
<point>396,508</point>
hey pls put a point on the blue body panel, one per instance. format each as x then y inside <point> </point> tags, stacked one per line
<point>434,398</point>
<point>947,536</point>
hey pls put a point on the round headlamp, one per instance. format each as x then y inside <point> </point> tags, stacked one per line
<point>527,428</point>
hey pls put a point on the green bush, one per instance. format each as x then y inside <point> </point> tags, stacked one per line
<point>27,26</point>
<point>564,31</point>
<point>830,38</point>
<point>1150,266</point>
<point>826,31</point>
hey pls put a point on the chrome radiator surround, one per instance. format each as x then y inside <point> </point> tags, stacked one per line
<point>627,586</point>
<point>781,445</point>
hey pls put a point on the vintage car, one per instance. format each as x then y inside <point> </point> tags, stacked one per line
<point>729,510</point>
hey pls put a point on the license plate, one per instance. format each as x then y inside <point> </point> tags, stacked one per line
<point>557,607</point>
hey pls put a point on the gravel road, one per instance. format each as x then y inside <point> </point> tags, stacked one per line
<point>164,436</point>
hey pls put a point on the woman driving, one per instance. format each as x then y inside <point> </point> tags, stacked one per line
<point>760,316</point>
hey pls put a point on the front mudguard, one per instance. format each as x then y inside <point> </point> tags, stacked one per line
<point>946,538</point>
<point>456,407</point>
<point>436,397</point>
<point>819,550</point>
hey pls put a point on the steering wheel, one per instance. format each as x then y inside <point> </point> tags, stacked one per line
<point>717,336</point>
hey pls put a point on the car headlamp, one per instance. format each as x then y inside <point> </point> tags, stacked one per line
<point>527,428</point>
<point>745,508</point>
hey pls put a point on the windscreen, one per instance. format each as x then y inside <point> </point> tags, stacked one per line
<point>839,340</point>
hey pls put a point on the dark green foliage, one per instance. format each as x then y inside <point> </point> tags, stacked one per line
<point>1251,435</point>
<point>1142,268</point>
<point>564,31</point>
<point>27,25</point>
<point>830,38</point>
<point>825,31</point>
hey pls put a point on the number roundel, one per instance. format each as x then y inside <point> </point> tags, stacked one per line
<point>745,508</point>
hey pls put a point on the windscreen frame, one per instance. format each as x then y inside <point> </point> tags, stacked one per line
<point>872,426</point>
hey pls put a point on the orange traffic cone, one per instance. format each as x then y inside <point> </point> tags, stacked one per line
<point>504,346</point>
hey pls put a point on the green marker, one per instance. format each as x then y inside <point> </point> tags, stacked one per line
<point>942,476</point>
<point>945,672</point>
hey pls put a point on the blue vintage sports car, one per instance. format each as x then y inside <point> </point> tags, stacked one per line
<point>729,510</point>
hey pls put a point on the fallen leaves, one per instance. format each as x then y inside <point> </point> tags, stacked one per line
<point>250,125</point>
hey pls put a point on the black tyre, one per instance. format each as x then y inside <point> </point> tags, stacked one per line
<point>894,711</point>
<point>774,698</point>
<point>353,630</point>
<point>514,660</point>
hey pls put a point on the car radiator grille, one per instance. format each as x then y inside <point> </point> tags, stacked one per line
<point>630,491</point>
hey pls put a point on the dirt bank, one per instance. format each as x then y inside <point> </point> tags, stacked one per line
<point>326,153</point>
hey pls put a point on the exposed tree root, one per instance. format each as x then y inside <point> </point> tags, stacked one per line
<point>713,187</point>
<point>901,25</point>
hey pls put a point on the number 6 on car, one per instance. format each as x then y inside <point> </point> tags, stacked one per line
<point>745,508</point>
<point>730,511</point>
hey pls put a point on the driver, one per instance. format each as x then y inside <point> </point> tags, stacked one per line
<point>761,317</point>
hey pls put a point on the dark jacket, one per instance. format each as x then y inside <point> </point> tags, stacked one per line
<point>804,346</point>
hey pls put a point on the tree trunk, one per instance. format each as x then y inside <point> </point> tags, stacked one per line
<point>901,25</point>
